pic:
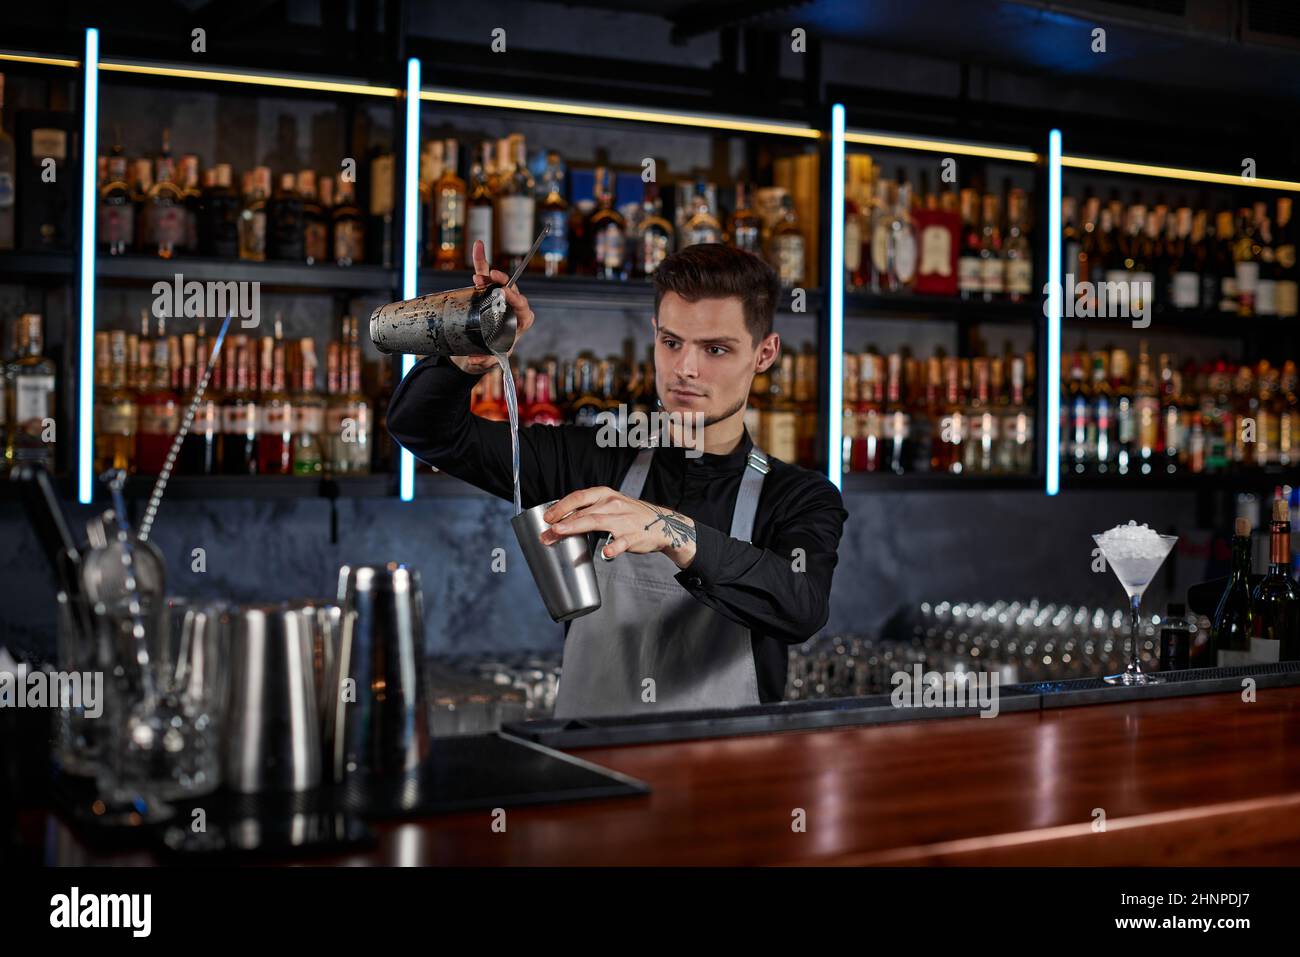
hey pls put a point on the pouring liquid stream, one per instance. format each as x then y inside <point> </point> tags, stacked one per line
<point>512,408</point>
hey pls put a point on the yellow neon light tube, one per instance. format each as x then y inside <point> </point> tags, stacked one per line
<point>44,60</point>
<point>256,79</point>
<point>621,113</point>
<point>1172,172</point>
<point>942,146</point>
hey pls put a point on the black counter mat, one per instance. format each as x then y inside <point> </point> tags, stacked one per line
<point>878,709</point>
<point>461,773</point>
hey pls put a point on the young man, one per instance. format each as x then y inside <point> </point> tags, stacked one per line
<point>714,562</point>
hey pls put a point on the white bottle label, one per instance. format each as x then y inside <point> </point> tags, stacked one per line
<point>1020,273</point>
<point>1265,649</point>
<point>1186,290</point>
<point>936,252</point>
<point>969,277</point>
<point>1266,298</point>
<point>991,274</point>
<point>1288,297</point>
<point>33,398</point>
<point>852,244</point>
<point>516,224</point>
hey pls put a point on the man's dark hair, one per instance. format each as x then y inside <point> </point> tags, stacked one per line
<point>715,271</point>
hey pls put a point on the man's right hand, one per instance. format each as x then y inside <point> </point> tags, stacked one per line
<point>483,276</point>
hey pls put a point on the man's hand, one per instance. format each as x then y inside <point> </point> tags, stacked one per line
<point>638,527</point>
<point>483,275</point>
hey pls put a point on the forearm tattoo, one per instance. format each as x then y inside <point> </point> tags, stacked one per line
<point>677,530</point>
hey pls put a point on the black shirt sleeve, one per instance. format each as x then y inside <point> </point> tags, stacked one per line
<point>429,416</point>
<point>783,589</point>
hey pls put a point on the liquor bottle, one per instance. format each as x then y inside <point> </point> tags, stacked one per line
<point>1071,242</point>
<point>1175,650</point>
<point>239,411</point>
<point>746,229</point>
<point>554,258</point>
<point>141,173</point>
<point>905,250</point>
<point>1102,437</point>
<point>585,403</point>
<point>159,409</point>
<point>479,221</point>
<point>1185,283</point>
<point>449,206</point>
<point>654,240</point>
<point>805,398</point>
<point>982,424</point>
<point>1275,602</point>
<point>315,220</point>
<point>285,222</point>
<point>116,214</point>
<point>868,451</point>
<point>1285,259</point>
<point>252,216</point>
<point>1016,250</point>
<point>1245,259</point>
<point>201,447</point>
<point>542,410</point>
<point>188,181</point>
<point>702,226</point>
<point>970,282</point>
<point>116,415</point>
<point>780,424</point>
<point>1266,292</point>
<point>1077,413</point>
<point>29,399</point>
<point>1141,264</point>
<point>220,223</point>
<point>606,230</point>
<point>897,425</point>
<point>848,410</point>
<point>1233,626</point>
<point>992,278</point>
<point>516,206</point>
<point>274,410</point>
<point>786,246</point>
<point>348,423</point>
<point>348,226</point>
<point>1146,413</point>
<point>1017,429</point>
<point>8,177</point>
<point>308,412</point>
<point>164,208</point>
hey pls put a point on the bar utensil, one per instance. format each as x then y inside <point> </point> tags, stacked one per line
<point>377,709</point>
<point>564,572</point>
<point>272,727</point>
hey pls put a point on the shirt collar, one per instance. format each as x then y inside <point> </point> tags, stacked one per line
<point>721,463</point>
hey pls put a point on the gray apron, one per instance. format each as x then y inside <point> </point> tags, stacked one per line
<point>649,627</point>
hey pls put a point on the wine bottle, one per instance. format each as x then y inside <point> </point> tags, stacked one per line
<point>1231,632</point>
<point>1275,605</point>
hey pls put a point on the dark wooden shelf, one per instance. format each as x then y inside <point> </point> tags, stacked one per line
<point>1175,323</point>
<point>132,270</point>
<point>260,487</point>
<point>867,305</point>
<point>583,291</point>
<point>18,266</point>
<point>936,482</point>
<point>1244,481</point>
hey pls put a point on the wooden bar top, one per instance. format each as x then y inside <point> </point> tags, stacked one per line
<point>1203,780</point>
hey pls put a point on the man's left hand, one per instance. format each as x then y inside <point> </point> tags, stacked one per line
<point>636,526</point>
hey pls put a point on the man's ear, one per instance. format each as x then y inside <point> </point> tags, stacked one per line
<point>768,350</point>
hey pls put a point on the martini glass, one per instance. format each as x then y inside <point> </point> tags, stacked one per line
<point>1134,564</point>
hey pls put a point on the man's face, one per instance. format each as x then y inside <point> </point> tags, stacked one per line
<point>705,357</point>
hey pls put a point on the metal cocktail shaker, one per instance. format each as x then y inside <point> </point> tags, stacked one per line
<point>458,322</point>
<point>564,572</point>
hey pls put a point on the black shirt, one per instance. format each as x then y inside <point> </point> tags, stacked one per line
<point>779,586</point>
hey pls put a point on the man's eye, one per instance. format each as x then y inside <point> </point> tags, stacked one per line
<point>671,343</point>
<point>718,350</point>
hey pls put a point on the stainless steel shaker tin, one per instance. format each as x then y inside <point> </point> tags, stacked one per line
<point>564,572</point>
<point>458,322</point>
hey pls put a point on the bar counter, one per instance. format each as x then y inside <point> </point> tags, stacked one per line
<point>1195,780</point>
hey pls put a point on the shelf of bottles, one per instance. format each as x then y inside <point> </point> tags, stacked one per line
<point>290,226</point>
<point>619,197</point>
<point>1179,334</point>
<point>948,402</point>
<point>37,124</point>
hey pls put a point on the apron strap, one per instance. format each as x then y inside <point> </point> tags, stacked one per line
<point>634,480</point>
<point>751,486</point>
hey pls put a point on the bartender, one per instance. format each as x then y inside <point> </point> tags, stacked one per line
<point>713,563</point>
